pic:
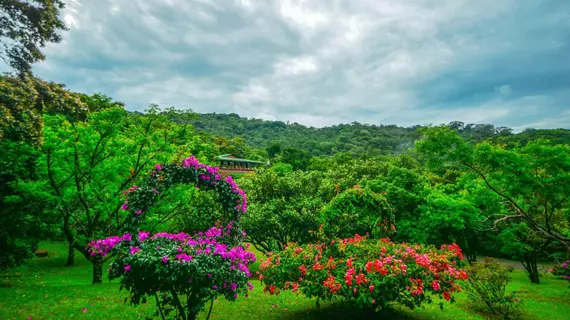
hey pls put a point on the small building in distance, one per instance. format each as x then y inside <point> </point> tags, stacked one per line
<point>230,163</point>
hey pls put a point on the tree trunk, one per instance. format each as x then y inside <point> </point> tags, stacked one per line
<point>70,242</point>
<point>70,255</point>
<point>97,262</point>
<point>471,257</point>
<point>181,309</point>
<point>470,248</point>
<point>531,266</point>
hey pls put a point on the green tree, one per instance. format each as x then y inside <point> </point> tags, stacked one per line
<point>446,218</point>
<point>283,207</point>
<point>533,181</point>
<point>298,158</point>
<point>25,27</point>
<point>358,211</point>
<point>273,150</point>
<point>19,227</point>
<point>86,166</point>
<point>23,100</point>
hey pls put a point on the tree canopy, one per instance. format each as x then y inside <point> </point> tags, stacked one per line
<point>26,26</point>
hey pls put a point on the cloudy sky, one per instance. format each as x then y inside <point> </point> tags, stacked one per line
<point>325,62</point>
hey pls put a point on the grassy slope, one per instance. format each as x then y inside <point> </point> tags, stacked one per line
<point>46,290</point>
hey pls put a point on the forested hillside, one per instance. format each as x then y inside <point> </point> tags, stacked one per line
<point>355,138</point>
<point>240,135</point>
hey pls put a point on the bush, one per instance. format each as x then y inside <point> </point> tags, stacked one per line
<point>358,211</point>
<point>284,208</point>
<point>368,273</point>
<point>179,271</point>
<point>562,269</point>
<point>271,225</point>
<point>197,211</point>
<point>14,252</point>
<point>488,283</point>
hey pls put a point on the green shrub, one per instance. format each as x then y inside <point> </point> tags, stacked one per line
<point>283,208</point>
<point>358,211</point>
<point>488,282</point>
<point>562,270</point>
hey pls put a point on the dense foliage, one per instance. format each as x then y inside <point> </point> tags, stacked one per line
<point>369,273</point>
<point>358,211</point>
<point>85,165</point>
<point>283,138</point>
<point>23,102</point>
<point>532,182</point>
<point>284,207</point>
<point>295,143</point>
<point>562,270</point>
<point>26,27</point>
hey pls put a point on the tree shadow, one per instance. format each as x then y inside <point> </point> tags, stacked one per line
<point>342,312</point>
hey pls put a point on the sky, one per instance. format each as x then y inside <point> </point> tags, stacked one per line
<point>325,62</point>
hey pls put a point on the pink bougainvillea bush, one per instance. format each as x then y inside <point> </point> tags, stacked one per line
<point>562,270</point>
<point>369,273</point>
<point>140,199</point>
<point>180,272</point>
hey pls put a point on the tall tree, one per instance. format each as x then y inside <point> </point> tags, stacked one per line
<point>25,27</point>
<point>86,166</point>
<point>23,100</point>
<point>533,181</point>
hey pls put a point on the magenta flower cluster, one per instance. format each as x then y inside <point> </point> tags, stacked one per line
<point>243,205</point>
<point>212,175</point>
<point>205,243</point>
<point>104,246</point>
<point>189,248</point>
<point>207,174</point>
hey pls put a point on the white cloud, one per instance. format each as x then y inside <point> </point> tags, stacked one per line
<point>296,66</point>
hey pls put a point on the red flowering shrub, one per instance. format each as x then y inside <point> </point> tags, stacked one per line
<point>370,273</point>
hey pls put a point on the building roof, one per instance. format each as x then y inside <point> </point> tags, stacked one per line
<point>231,157</point>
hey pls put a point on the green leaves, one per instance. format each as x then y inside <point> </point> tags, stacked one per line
<point>358,211</point>
<point>29,25</point>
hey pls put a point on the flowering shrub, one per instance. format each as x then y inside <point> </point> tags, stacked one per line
<point>181,272</point>
<point>139,199</point>
<point>488,282</point>
<point>562,270</point>
<point>369,273</point>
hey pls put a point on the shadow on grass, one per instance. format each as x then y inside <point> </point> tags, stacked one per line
<point>342,312</point>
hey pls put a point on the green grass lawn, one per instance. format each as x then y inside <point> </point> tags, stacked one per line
<point>44,289</point>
